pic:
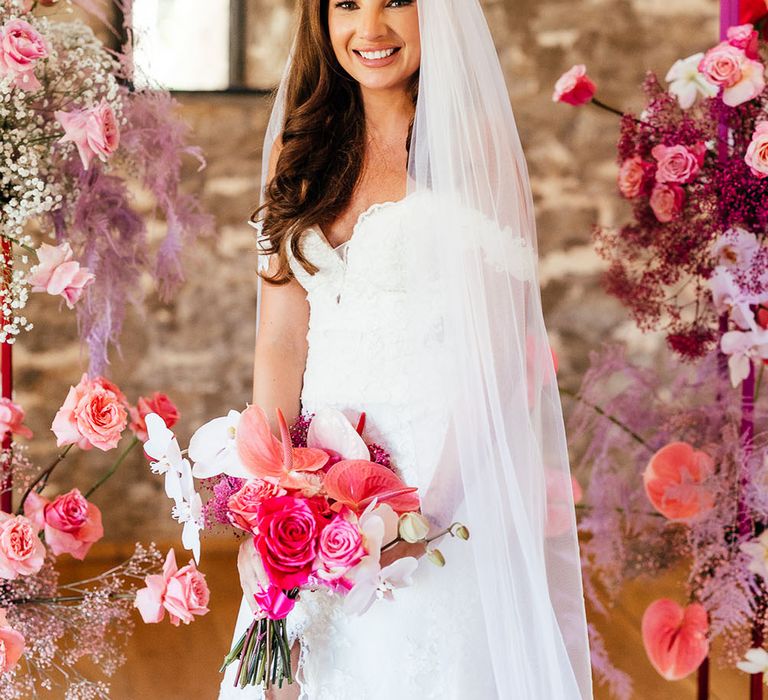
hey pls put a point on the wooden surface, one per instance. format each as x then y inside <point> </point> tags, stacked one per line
<point>182,662</point>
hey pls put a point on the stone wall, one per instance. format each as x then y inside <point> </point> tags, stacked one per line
<point>199,348</point>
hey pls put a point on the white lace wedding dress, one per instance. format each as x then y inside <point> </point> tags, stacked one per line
<point>430,641</point>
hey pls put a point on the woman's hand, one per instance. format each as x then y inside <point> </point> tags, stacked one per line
<point>400,550</point>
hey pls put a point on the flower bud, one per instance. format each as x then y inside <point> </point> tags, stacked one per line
<point>413,527</point>
<point>436,557</point>
<point>461,532</point>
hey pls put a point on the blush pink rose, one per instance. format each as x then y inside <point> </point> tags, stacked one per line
<point>94,131</point>
<point>21,46</point>
<point>574,87</point>
<point>11,644</point>
<point>757,151</point>
<point>12,419</point>
<point>244,505</point>
<point>71,523</point>
<point>634,176</point>
<point>93,415</point>
<point>59,274</point>
<point>340,546</point>
<point>667,201</point>
<point>289,529</point>
<point>22,553</point>
<point>157,403</point>
<point>741,77</point>
<point>182,592</point>
<point>678,163</point>
<point>744,37</point>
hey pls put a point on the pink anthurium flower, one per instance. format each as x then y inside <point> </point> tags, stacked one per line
<point>356,483</point>
<point>271,459</point>
<point>674,480</point>
<point>675,638</point>
<point>330,430</point>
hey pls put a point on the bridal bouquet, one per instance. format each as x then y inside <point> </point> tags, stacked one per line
<point>317,506</point>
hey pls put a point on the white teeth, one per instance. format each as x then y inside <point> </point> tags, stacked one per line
<point>373,55</point>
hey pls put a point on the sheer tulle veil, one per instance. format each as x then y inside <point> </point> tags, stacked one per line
<point>505,452</point>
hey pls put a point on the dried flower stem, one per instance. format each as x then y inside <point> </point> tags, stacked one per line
<point>43,477</point>
<point>135,441</point>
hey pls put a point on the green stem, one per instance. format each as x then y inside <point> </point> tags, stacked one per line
<point>43,476</point>
<point>606,107</point>
<point>135,441</point>
<point>18,243</point>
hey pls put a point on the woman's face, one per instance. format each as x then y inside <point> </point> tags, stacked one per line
<point>376,41</point>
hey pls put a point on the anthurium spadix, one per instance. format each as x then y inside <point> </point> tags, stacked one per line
<point>213,449</point>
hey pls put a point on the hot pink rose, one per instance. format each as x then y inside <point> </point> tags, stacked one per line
<point>157,403</point>
<point>94,131</point>
<point>182,592</point>
<point>289,529</point>
<point>757,151</point>
<point>744,37</point>
<point>574,87</point>
<point>678,163</point>
<point>244,504</point>
<point>11,644</point>
<point>59,274</point>
<point>340,546</point>
<point>22,553</point>
<point>273,602</point>
<point>71,523</point>
<point>93,415</point>
<point>667,201</point>
<point>12,419</point>
<point>21,46</point>
<point>634,176</point>
<point>741,78</point>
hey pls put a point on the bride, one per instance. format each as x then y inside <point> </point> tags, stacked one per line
<point>398,263</point>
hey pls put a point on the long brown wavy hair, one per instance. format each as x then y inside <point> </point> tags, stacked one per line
<point>323,144</point>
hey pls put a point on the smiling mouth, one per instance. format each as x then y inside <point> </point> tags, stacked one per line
<point>377,55</point>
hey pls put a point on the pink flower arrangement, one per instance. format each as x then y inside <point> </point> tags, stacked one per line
<point>679,164</point>
<point>667,201</point>
<point>71,524</point>
<point>574,87</point>
<point>728,66</point>
<point>635,176</point>
<point>157,403</point>
<point>183,593</point>
<point>93,415</point>
<point>12,419</point>
<point>94,131</point>
<point>244,505</point>
<point>756,156</point>
<point>59,274</point>
<point>22,553</point>
<point>21,47</point>
<point>11,644</point>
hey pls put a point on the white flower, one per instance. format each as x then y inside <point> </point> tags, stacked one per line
<point>758,550</point>
<point>686,83</point>
<point>213,449</point>
<point>742,347</point>
<point>756,661</point>
<point>329,429</point>
<point>735,248</point>
<point>188,511</point>
<point>163,448</point>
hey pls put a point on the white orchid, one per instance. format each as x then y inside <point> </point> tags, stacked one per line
<point>758,550</point>
<point>728,297</point>
<point>686,83</point>
<point>742,347</point>
<point>164,450</point>
<point>213,449</point>
<point>755,661</point>
<point>189,511</point>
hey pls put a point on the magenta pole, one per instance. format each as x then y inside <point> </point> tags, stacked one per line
<point>6,380</point>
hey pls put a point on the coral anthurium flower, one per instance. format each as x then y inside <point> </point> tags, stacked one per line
<point>356,482</point>
<point>266,457</point>
<point>675,638</point>
<point>673,481</point>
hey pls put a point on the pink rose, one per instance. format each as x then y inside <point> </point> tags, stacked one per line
<point>340,546</point>
<point>94,131</point>
<point>634,176</point>
<point>678,163</point>
<point>12,419</point>
<point>157,403</point>
<point>71,523</point>
<point>59,274</point>
<point>93,415</point>
<point>244,504</point>
<point>741,78</point>
<point>757,151</point>
<point>273,602</point>
<point>21,550</point>
<point>182,592</point>
<point>744,37</point>
<point>574,87</point>
<point>11,644</point>
<point>288,530</point>
<point>21,45</point>
<point>667,201</point>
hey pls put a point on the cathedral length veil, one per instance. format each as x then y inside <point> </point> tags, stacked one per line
<point>505,453</point>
